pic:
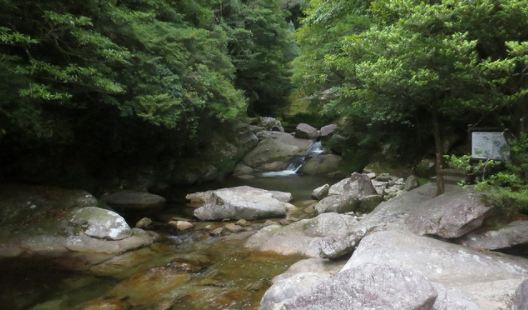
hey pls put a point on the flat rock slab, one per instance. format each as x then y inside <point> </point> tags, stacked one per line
<point>303,237</point>
<point>368,287</point>
<point>134,200</point>
<point>515,233</point>
<point>490,280</point>
<point>450,215</point>
<point>243,202</point>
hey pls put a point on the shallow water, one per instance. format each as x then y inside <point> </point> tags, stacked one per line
<point>186,271</point>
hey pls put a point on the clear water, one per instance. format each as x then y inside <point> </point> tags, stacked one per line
<point>187,271</point>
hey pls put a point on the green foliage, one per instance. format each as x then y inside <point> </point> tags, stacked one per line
<point>134,78</point>
<point>507,188</point>
<point>401,64</point>
<point>261,46</point>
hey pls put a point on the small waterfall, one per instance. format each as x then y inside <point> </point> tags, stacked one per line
<point>297,162</point>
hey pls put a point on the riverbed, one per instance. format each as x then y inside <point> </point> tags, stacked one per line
<point>180,271</point>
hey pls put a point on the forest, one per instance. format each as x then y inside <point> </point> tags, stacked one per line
<point>157,100</point>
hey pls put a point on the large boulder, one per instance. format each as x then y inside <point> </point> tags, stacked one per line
<point>450,215</point>
<point>388,215</point>
<point>302,237</point>
<point>489,280</point>
<point>101,223</point>
<point>305,131</point>
<point>134,200</point>
<point>243,202</point>
<point>323,164</point>
<point>515,233</point>
<point>275,147</point>
<point>369,286</point>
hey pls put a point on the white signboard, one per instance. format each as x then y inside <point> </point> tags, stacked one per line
<point>489,145</point>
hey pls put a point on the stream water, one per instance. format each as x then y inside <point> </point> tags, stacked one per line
<point>181,271</point>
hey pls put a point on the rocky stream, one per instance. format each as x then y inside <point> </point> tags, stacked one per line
<point>289,230</point>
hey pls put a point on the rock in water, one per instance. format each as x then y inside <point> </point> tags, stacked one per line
<point>489,280</point>
<point>513,234</point>
<point>101,223</point>
<point>181,225</point>
<point>450,215</point>
<point>134,200</point>
<point>305,131</point>
<point>323,164</point>
<point>242,202</point>
<point>320,192</point>
<point>369,286</point>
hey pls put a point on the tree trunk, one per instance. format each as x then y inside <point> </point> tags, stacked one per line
<point>439,153</point>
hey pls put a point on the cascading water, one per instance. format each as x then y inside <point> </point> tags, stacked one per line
<point>297,162</point>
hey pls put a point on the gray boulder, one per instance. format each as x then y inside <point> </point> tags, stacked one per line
<point>101,223</point>
<point>305,131</point>
<point>320,192</point>
<point>489,280</point>
<point>134,200</point>
<point>357,185</point>
<point>323,164</point>
<point>338,204</point>
<point>368,287</point>
<point>388,215</point>
<point>275,147</point>
<point>513,234</point>
<point>243,202</point>
<point>328,130</point>
<point>302,237</point>
<point>450,215</point>
<point>288,288</point>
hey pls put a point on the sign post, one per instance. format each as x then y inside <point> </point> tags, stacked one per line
<point>489,145</point>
